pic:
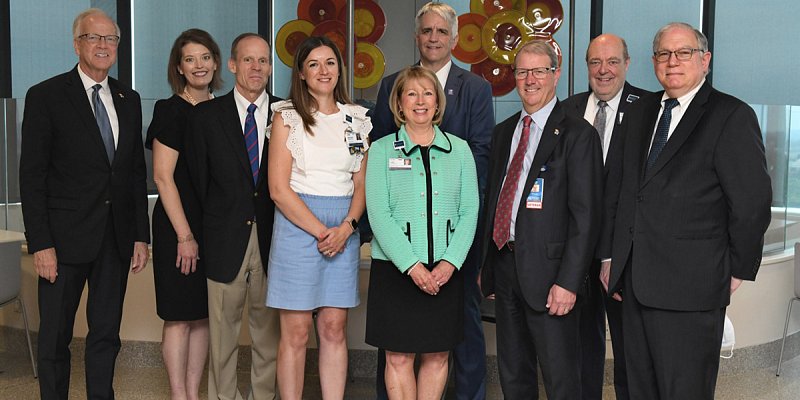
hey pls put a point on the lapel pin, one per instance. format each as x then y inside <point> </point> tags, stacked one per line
<point>620,117</point>
<point>631,98</point>
<point>450,92</point>
<point>556,132</point>
<point>121,96</point>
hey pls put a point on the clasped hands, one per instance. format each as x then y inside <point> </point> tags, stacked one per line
<point>432,281</point>
<point>332,240</point>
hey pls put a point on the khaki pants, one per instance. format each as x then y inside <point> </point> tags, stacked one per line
<point>226,301</point>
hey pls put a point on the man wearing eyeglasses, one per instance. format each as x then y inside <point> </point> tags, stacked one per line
<point>84,202</point>
<point>690,218</point>
<point>604,106</point>
<point>543,207</point>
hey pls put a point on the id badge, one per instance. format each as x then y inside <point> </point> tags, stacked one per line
<point>399,164</point>
<point>354,141</point>
<point>534,200</point>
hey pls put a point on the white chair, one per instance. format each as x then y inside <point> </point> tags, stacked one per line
<point>10,281</point>
<point>791,302</point>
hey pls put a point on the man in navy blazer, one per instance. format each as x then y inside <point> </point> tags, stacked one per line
<point>607,61</point>
<point>237,221</point>
<point>82,180</point>
<point>689,220</point>
<point>470,116</point>
<point>543,214</point>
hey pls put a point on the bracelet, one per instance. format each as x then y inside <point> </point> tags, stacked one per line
<point>184,239</point>
<point>408,272</point>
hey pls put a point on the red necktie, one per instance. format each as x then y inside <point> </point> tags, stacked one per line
<point>502,214</point>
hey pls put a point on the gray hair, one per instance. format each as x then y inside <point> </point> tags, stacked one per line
<point>702,42</point>
<point>76,24</point>
<point>541,48</point>
<point>441,9</point>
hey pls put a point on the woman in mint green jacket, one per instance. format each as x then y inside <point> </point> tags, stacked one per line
<point>422,200</point>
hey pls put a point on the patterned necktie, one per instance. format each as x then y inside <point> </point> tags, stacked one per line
<point>660,139</point>
<point>251,140</point>
<point>600,120</point>
<point>101,115</point>
<point>502,214</point>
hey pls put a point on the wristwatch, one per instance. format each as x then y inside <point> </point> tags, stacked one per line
<point>354,225</point>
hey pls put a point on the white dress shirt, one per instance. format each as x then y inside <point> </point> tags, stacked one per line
<point>261,114</point>
<point>677,111</point>
<point>612,106</point>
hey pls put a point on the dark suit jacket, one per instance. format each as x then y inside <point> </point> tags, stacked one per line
<point>468,114</point>
<point>698,216</point>
<point>220,170</point>
<point>575,105</point>
<point>554,244</point>
<point>67,185</point>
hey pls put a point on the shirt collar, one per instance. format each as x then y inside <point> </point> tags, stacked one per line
<point>89,82</point>
<point>440,141</point>
<point>612,104</point>
<point>443,72</point>
<point>684,100</point>
<point>242,103</point>
<point>540,117</point>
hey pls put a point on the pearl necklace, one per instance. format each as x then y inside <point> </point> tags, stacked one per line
<point>430,142</point>
<point>191,98</point>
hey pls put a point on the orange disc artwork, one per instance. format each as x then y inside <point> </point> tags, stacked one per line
<point>289,37</point>
<point>469,48</point>
<point>369,65</point>
<point>369,20</point>
<point>336,31</point>
<point>492,7</point>
<point>316,11</point>
<point>501,76</point>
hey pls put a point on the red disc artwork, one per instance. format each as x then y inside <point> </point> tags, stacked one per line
<point>469,48</point>
<point>501,76</point>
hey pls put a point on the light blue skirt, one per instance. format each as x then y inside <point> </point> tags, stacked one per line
<point>299,276</point>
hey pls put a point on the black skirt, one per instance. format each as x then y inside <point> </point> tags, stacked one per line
<point>404,319</point>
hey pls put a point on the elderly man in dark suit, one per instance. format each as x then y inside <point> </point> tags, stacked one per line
<point>689,222</point>
<point>84,203</point>
<point>604,106</point>
<point>237,217</point>
<point>468,115</point>
<point>543,215</point>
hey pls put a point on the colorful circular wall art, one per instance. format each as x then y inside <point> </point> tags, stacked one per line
<point>327,17</point>
<point>491,34</point>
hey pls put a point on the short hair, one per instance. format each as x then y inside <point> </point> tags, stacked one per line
<point>541,48</point>
<point>441,9</point>
<point>625,55</point>
<point>407,74</point>
<point>76,23</point>
<point>303,102</point>
<point>198,36</point>
<point>245,36</point>
<point>702,41</point>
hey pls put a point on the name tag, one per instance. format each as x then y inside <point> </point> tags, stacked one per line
<point>534,200</point>
<point>396,164</point>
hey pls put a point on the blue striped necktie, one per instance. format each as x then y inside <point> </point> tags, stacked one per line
<point>101,115</point>
<point>251,140</point>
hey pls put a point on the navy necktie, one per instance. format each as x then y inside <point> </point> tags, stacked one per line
<point>101,115</point>
<point>251,140</point>
<point>660,139</point>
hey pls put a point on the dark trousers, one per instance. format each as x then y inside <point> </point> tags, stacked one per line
<point>107,278</point>
<point>470,355</point>
<point>525,335</point>
<point>670,355</point>
<point>593,340</point>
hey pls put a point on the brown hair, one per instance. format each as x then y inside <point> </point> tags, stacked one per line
<point>407,74</point>
<point>304,103</point>
<point>198,36</point>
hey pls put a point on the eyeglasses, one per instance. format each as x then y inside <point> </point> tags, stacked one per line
<point>680,54</point>
<point>538,73</point>
<point>111,40</point>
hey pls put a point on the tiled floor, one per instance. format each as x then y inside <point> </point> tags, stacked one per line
<point>17,383</point>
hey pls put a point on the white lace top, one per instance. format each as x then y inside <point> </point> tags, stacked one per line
<point>322,163</point>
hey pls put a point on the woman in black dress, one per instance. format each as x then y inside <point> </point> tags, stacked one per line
<point>181,297</point>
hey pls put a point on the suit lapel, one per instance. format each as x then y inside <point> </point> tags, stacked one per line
<point>682,132</point>
<point>451,89</point>
<point>80,102</point>
<point>123,117</point>
<point>551,134</point>
<point>232,129</point>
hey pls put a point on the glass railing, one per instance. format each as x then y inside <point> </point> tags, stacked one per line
<point>780,125</point>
